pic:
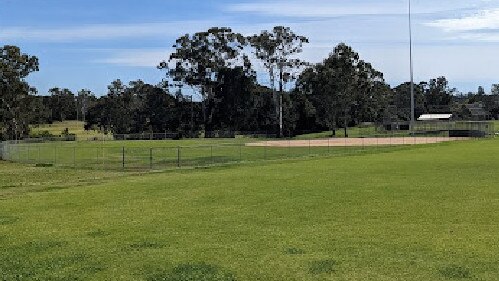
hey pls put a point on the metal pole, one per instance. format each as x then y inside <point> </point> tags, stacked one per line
<point>413,103</point>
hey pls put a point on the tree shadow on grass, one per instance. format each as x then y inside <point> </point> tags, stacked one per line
<point>322,267</point>
<point>192,272</point>
<point>455,272</point>
<point>46,260</point>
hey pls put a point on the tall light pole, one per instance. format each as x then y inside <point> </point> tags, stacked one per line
<point>413,118</point>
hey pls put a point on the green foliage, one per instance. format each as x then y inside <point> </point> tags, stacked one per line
<point>15,92</point>
<point>344,89</point>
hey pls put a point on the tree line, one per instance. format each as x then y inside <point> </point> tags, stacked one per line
<point>219,66</point>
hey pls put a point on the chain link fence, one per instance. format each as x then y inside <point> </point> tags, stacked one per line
<point>162,155</point>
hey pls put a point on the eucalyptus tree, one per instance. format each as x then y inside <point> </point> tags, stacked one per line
<point>62,104</point>
<point>198,59</point>
<point>495,90</point>
<point>277,49</point>
<point>83,103</point>
<point>14,91</point>
<point>438,95</point>
<point>343,88</point>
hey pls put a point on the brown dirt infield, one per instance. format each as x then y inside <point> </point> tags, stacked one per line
<point>343,142</point>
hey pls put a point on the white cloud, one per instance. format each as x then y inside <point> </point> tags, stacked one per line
<point>485,20</point>
<point>136,58</point>
<point>101,31</point>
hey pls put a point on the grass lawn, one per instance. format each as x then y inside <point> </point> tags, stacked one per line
<point>428,213</point>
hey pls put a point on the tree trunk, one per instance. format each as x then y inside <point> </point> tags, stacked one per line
<point>203,106</point>
<point>281,88</point>
<point>334,126</point>
<point>345,125</point>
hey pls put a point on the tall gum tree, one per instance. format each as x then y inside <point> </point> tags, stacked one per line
<point>198,59</point>
<point>15,91</point>
<point>277,50</point>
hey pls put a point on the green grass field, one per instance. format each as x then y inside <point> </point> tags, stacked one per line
<point>426,213</point>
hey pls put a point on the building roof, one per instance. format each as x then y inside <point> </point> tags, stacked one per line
<point>433,117</point>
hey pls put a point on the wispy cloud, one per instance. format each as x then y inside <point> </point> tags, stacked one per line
<point>336,8</point>
<point>481,26</point>
<point>484,20</point>
<point>136,58</point>
<point>101,31</point>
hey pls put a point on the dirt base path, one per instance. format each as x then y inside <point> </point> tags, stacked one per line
<point>355,142</point>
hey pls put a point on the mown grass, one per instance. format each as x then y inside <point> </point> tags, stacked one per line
<point>422,214</point>
<point>18,179</point>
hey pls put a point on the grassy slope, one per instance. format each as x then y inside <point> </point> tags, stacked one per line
<point>74,127</point>
<point>423,214</point>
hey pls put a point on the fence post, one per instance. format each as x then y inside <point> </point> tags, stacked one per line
<point>240,153</point>
<point>289,147</point>
<point>265,151</point>
<point>123,158</point>
<point>178,158</point>
<point>150,158</point>
<point>103,158</point>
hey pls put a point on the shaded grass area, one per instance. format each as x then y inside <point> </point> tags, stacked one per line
<point>421,214</point>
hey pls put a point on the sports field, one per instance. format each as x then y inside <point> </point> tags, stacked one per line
<point>424,213</point>
<point>168,154</point>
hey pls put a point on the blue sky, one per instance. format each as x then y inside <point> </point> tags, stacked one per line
<point>87,44</point>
